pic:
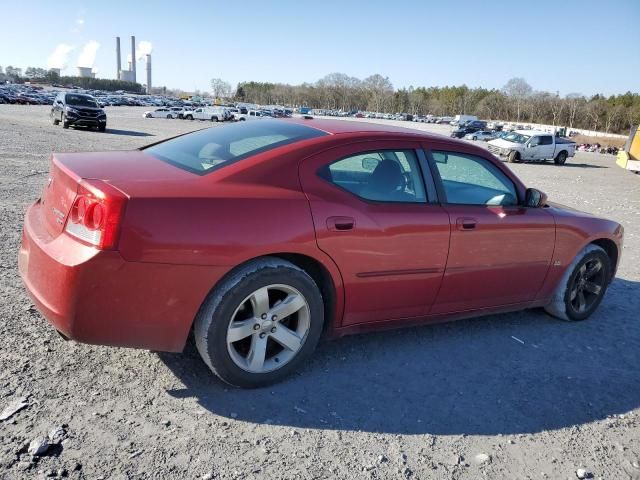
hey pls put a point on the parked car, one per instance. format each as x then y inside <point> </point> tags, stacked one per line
<point>463,131</point>
<point>483,135</point>
<point>533,146</point>
<point>214,114</point>
<point>251,115</point>
<point>257,237</point>
<point>163,112</point>
<point>76,109</point>
<point>462,119</point>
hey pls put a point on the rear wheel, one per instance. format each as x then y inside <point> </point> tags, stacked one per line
<point>189,117</point>
<point>56,121</point>
<point>214,119</point>
<point>583,285</point>
<point>513,157</point>
<point>65,124</point>
<point>260,324</point>
<point>474,138</point>
<point>560,158</point>
<point>169,116</point>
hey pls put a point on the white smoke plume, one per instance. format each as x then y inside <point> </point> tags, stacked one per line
<point>58,59</point>
<point>88,55</point>
<point>144,49</point>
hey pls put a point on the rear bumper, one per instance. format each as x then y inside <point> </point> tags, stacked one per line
<point>97,297</point>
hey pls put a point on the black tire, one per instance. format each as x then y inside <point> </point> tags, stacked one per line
<point>65,124</point>
<point>214,119</point>
<point>215,314</point>
<point>560,158</point>
<point>189,117</point>
<point>242,119</point>
<point>562,305</point>
<point>102,128</point>
<point>55,120</point>
<point>474,138</point>
<point>513,157</point>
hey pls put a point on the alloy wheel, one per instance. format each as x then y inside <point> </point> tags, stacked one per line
<point>268,328</point>
<point>588,285</point>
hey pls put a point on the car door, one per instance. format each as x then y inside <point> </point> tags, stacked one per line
<point>500,251</point>
<point>545,147</point>
<point>374,216</point>
<point>533,149</point>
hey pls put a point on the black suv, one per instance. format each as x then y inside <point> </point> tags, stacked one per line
<point>469,127</point>
<point>78,109</point>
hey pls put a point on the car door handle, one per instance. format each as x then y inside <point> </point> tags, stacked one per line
<point>466,223</point>
<point>340,224</point>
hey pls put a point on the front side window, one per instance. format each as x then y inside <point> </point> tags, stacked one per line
<point>471,180</point>
<point>382,176</point>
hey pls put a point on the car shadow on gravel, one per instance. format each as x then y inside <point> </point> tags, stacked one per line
<point>129,133</point>
<point>502,374</point>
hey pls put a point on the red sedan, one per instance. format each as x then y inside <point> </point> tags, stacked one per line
<point>260,236</point>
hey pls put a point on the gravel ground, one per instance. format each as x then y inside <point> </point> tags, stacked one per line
<point>464,400</point>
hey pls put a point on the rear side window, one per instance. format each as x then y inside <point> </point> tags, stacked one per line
<point>546,140</point>
<point>382,176</point>
<point>207,150</point>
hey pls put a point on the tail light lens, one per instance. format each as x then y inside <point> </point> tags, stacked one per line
<point>96,214</point>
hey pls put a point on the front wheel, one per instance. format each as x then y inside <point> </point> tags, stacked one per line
<point>561,158</point>
<point>474,138</point>
<point>513,157</point>
<point>583,285</point>
<point>56,121</point>
<point>65,124</point>
<point>260,324</point>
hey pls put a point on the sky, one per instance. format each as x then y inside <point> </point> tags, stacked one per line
<point>568,46</point>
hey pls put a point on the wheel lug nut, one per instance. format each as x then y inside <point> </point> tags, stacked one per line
<point>274,318</point>
<point>263,316</point>
<point>256,326</point>
<point>273,330</point>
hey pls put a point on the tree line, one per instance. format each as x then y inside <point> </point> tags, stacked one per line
<point>517,101</point>
<point>34,74</point>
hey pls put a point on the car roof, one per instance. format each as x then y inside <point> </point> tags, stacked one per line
<point>336,127</point>
<point>532,132</point>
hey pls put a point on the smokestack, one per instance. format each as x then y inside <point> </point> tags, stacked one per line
<point>149,73</point>
<point>133,57</point>
<point>118,58</point>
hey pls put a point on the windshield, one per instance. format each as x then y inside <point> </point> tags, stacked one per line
<point>81,101</point>
<point>516,137</point>
<point>205,150</point>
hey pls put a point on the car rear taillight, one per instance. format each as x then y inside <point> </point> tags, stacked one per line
<point>96,214</point>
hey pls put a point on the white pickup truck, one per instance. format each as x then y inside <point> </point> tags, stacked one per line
<point>250,115</point>
<point>215,114</point>
<point>533,146</point>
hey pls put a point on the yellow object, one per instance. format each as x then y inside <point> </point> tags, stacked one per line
<point>629,157</point>
<point>634,149</point>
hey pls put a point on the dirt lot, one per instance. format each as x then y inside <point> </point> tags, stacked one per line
<point>417,403</point>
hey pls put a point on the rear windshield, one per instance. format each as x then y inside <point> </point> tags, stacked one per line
<point>81,100</point>
<point>206,150</point>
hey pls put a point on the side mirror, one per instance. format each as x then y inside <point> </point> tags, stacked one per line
<point>369,163</point>
<point>534,198</point>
